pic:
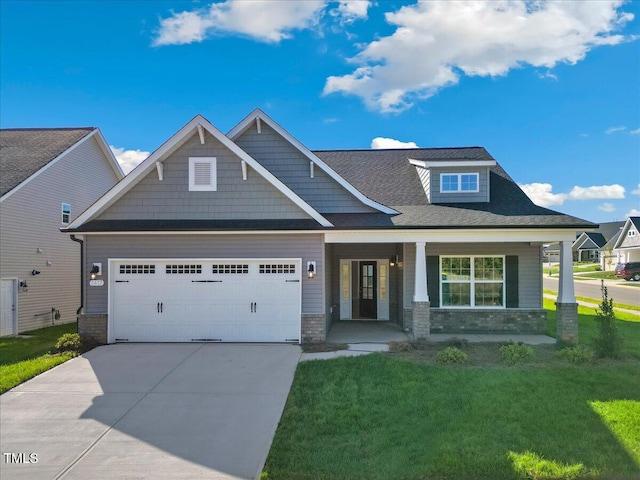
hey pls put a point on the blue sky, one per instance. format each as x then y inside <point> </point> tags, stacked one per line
<point>551,89</point>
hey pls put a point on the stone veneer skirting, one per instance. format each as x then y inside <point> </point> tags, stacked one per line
<point>93,326</point>
<point>314,328</point>
<point>508,320</point>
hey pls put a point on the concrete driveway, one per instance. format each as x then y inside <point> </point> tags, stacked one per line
<point>160,411</point>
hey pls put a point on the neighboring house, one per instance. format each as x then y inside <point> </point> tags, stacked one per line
<point>595,245</point>
<point>251,237</point>
<point>48,177</point>
<point>591,246</point>
<point>627,246</point>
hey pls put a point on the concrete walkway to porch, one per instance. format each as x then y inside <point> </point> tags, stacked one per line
<point>364,337</point>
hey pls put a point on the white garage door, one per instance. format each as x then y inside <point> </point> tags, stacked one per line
<point>205,300</point>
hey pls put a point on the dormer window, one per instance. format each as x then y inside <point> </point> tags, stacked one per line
<point>458,182</point>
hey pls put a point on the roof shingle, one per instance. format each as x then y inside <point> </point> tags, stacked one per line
<point>24,151</point>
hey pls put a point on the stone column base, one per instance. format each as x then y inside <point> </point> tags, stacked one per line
<point>421,321</point>
<point>567,322</point>
<point>93,327</point>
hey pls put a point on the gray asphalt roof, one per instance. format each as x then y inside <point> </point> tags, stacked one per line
<point>387,177</point>
<point>24,151</point>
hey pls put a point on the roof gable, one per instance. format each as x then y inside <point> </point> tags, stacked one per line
<point>234,197</point>
<point>199,124</point>
<point>624,240</point>
<point>258,117</point>
<point>26,152</point>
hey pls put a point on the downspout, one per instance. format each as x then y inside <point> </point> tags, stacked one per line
<point>79,311</point>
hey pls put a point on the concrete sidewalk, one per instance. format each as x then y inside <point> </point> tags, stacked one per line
<point>150,411</point>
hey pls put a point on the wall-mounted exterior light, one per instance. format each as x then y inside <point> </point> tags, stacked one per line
<point>311,269</point>
<point>96,270</point>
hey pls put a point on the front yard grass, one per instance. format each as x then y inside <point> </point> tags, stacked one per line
<point>403,416</point>
<point>24,358</point>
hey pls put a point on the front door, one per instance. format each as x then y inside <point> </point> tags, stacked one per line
<point>367,290</point>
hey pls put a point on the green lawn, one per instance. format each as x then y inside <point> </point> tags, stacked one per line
<point>400,416</point>
<point>379,417</point>
<point>24,358</point>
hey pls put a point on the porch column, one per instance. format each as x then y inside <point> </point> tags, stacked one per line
<point>566,304</point>
<point>421,314</point>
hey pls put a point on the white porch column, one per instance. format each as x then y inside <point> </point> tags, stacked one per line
<point>566,292</point>
<point>420,289</point>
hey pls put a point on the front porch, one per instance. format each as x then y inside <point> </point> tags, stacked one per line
<point>419,290</point>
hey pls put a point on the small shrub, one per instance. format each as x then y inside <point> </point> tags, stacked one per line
<point>576,355</point>
<point>400,346</point>
<point>608,342</point>
<point>450,356</point>
<point>516,353</point>
<point>69,342</point>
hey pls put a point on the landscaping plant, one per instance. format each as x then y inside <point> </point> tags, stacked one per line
<point>451,356</point>
<point>514,353</point>
<point>69,342</point>
<point>576,355</point>
<point>608,342</point>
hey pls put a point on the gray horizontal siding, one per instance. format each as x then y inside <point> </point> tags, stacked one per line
<point>461,197</point>
<point>286,162</point>
<point>31,218</point>
<point>235,198</point>
<point>100,248</point>
<point>529,266</point>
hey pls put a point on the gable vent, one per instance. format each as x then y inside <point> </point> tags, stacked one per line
<point>202,173</point>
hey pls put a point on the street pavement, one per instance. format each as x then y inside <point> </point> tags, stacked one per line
<point>620,291</point>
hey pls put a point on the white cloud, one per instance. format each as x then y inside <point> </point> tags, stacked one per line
<point>128,159</point>
<point>634,212</point>
<point>380,143</point>
<point>635,132</point>
<point>636,191</point>
<point>611,130</point>
<point>542,193</point>
<point>435,42</point>
<point>596,192</point>
<point>607,207</point>
<point>351,10</point>
<point>267,21</point>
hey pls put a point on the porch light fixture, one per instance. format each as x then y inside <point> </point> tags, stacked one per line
<point>96,270</point>
<point>311,269</point>
<point>393,261</point>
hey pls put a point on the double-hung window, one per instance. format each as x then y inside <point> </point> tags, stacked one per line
<point>459,182</point>
<point>66,213</point>
<point>472,281</point>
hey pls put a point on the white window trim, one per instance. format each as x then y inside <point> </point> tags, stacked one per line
<point>213,184</point>
<point>459,175</point>
<point>63,213</point>
<point>473,282</point>
<point>632,233</point>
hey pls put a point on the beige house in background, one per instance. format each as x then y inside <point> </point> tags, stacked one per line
<point>48,176</point>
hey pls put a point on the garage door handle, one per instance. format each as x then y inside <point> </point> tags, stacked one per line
<point>158,306</point>
<point>161,307</point>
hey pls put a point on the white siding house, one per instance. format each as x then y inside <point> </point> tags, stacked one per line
<point>49,177</point>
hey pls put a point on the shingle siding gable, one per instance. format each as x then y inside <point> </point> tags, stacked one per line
<point>291,167</point>
<point>235,198</point>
